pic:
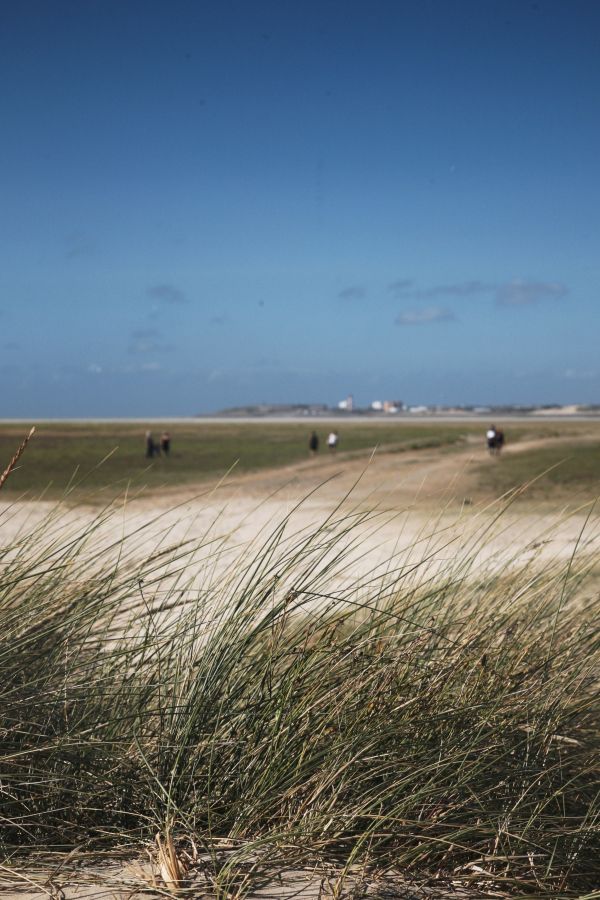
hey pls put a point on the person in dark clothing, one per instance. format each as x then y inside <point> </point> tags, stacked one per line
<point>313,443</point>
<point>150,445</point>
<point>165,443</point>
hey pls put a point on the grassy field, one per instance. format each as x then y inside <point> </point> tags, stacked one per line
<point>62,454</point>
<point>570,469</point>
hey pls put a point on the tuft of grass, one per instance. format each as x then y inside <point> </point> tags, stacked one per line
<point>445,722</point>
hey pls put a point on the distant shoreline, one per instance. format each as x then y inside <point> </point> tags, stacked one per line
<point>353,418</point>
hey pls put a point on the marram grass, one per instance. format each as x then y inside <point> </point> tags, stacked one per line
<point>443,724</point>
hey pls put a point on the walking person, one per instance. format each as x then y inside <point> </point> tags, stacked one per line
<point>150,445</point>
<point>313,443</point>
<point>332,441</point>
<point>165,443</point>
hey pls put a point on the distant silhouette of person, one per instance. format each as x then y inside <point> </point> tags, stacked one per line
<point>313,443</point>
<point>165,443</point>
<point>332,441</point>
<point>151,447</point>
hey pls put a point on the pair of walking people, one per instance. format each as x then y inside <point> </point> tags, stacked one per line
<point>495,440</point>
<point>163,446</point>
<point>332,442</point>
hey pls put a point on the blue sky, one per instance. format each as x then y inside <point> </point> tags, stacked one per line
<point>212,204</point>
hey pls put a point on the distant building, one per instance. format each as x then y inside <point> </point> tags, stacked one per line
<point>347,404</point>
<point>389,407</point>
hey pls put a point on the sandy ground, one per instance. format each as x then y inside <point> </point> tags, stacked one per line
<point>140,880</point>
<point>410,505</point>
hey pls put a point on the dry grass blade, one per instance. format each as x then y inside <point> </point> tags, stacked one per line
<point>21,877</point>
<point>12,464</point>
<point>171,868</point>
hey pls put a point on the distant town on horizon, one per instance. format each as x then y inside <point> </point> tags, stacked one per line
<point>397,408</point>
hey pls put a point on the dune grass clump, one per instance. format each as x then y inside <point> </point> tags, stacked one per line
<point>445,724</point>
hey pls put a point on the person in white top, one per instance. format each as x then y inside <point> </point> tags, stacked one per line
<point>490,437</point>
<point>332,440</point>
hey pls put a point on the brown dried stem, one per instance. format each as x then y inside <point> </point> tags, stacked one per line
<point>12,464</point>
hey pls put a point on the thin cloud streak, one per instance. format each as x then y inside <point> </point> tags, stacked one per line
<point>166,293</point>
<point>405,289</point>
<point>141,346</point>
<point>353,292</point>
<point>580,374</point>
<point>518,292</point>
<point>426,316</point>
<point>528,293</point>
<point>400,287</point>
<point>147,340</point>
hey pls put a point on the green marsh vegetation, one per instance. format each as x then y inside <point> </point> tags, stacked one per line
<point>444,724</point>
<point>571,471</point>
